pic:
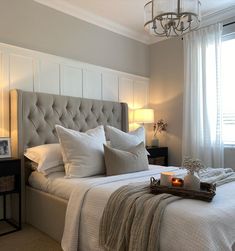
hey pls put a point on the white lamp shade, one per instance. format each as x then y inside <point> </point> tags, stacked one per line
<point>144,116</point>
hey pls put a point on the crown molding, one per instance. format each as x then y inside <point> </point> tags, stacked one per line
<point>218,16</point>
<point>213,17</point>
<point>95,19</point>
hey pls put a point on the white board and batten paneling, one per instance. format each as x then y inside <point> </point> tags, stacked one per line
<point>35,71</point>
<point>110,89</point>
<point>126,90</point>
<point>49,77</point>
<point>71,81</point>
<point>92,84</point>
<point>140,93</point>
<point>21,72</point>
<point>134,92</point>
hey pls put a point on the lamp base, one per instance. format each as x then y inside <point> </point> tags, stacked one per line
<point>155,142</point>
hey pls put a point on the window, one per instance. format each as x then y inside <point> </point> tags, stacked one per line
<point>228,89</point>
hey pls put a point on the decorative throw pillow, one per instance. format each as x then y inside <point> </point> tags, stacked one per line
<point>121,162</point>
<point>83,153</point>
<point>46,157</point>
<point>124,141</point>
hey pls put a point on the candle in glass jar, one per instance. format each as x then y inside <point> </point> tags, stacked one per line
<point>177,182</point>
<point>166,178</point>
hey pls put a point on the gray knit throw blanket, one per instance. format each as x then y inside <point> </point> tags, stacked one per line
<point>132,218</point>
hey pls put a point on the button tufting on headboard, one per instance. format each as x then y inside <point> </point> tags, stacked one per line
<point>38,113</point>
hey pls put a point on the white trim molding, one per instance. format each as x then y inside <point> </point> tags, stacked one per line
<point>218,16</point>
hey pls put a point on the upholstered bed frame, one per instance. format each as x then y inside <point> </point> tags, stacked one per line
<point>33,120</point>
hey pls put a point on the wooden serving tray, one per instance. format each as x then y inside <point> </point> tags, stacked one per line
<point>206,193</point>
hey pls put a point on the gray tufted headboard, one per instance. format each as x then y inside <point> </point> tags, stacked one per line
<point>34,116</point>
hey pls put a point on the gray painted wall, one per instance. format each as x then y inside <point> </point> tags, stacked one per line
<point>31,25</point>
<point>166,92</point>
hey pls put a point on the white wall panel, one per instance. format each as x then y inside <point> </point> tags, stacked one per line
<point>141,90</point>
<point>126,91</point>
<point>110,87</point>
<point>49,77</point>
<point>71,81</point>
<point>92,84</point>
<point>21,72</point>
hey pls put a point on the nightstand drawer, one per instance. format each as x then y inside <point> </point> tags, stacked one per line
<point>157,151</point>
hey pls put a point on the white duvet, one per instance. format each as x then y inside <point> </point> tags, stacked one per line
<point>187,225</point>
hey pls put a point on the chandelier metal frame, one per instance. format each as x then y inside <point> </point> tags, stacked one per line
<point>172,24</point>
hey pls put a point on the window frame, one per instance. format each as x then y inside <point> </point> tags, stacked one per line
<point>228,34</point>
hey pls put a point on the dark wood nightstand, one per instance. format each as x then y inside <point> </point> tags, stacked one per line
<point>10,183</point>
<point>158,155</point>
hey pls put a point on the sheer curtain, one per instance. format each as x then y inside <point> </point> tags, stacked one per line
<point>202,120</point>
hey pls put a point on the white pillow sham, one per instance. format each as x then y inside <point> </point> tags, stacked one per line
<point>46,156</point>
<point>124,141</point>
<point>83,153</point>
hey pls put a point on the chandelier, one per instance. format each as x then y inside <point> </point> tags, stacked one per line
<point>171,18</point>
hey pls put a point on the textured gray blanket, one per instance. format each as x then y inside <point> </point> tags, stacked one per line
<point>131,220</point>
<point>219,176</point>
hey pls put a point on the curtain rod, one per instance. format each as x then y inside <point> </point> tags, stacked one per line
<point>223,26</point>
<point>228,24</point>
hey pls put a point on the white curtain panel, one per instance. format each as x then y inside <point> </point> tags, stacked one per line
<point>202,122</point>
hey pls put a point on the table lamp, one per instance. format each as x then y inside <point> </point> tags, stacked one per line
<point>144,116</point>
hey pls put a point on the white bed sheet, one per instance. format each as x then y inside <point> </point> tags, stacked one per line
<point>56,183</point>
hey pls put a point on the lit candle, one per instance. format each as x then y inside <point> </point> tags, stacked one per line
<point>166,178</point>
<point>177,182</point>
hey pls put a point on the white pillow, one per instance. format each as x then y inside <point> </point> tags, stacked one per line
<point>83,153</point>
<point>124,141</point>
<point>46,156</point>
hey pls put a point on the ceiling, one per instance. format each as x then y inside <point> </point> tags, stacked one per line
<point>126,17</point>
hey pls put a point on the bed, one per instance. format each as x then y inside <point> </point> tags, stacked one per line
<point>33,119</point>
<point>187,224</point>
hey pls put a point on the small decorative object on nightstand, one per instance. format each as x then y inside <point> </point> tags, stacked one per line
<point>10,183</point>
<point>158,155</point>
<point>158,127</point>
<point>5,147</point>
